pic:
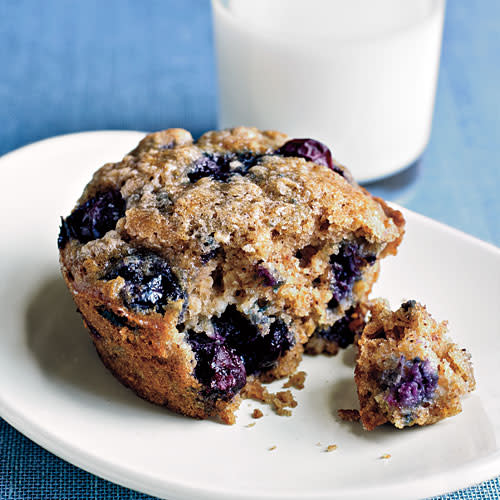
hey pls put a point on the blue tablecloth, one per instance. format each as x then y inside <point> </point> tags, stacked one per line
<point>68,66</point>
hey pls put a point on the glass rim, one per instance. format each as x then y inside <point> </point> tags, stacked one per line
<point>220,8</point>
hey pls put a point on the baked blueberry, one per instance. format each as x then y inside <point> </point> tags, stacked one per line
<point>236,349</point>
<point>259,352</point>
<point>310,150</point>
<point>273,345</point>
<point>113,318</point>
<point>410,383</point>
<point>347,268</point>
<point>149,282</point>
<point>219,368</point>
<point>268,274</point>
<point>93,219</point>
<point>340,332</point>
<point>221,167</point>
<point>408,304</point>
<point>207,257</point>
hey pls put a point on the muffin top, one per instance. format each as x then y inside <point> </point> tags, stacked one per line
<point>236,187</point>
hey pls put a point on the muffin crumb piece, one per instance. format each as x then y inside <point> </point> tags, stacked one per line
<point>349,415</point>
<point>296,381</point>
<point>280,402</point>
<point>331,447</point>
<point>257,414</point>
<point>250,425</point>
<point>386,456</point>
<point>272,448</point>
<point>408,370</point>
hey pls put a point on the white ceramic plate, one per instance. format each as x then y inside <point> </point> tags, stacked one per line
<point>54,389</point>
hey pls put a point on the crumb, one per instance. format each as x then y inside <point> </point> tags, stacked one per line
<point>349,415</point>
<point>255,390</point>
<point>385,456</point>
<point>283,412</point>
<point>280,401</point>
<point>250,425</point>
<point>318,444</point>
<point>257,413</point>
<point>286,397</point>
<point>331,447</point>
<point>272,448</point>
<point>296,380</point>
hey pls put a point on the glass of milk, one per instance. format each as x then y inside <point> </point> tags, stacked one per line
<point>358,75</point>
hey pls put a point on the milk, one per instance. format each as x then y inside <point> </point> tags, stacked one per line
<point>359,75</point>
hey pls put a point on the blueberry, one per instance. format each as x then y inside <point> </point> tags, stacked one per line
<point>222,166</point>
<point>65,234</point>
<point>340,332</point>
<point>410,384</point>
<point>273,345</point>
<point>114,318</point>
<point>268,276</point>
<point>409,304</point>
<point>218,368</point>
<point>236,350</point>
<point>207,257</point>
<point>259,352</point>
<point>310,150</point>
<point>149,282</point>
<point>238,332</point>
<point>93,219</point>
<point>347,268</point>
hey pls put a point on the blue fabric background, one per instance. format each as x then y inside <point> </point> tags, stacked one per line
<point>68,66</point>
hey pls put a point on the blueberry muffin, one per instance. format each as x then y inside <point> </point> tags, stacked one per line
<point>199,266</point>
<point>408,371</point>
